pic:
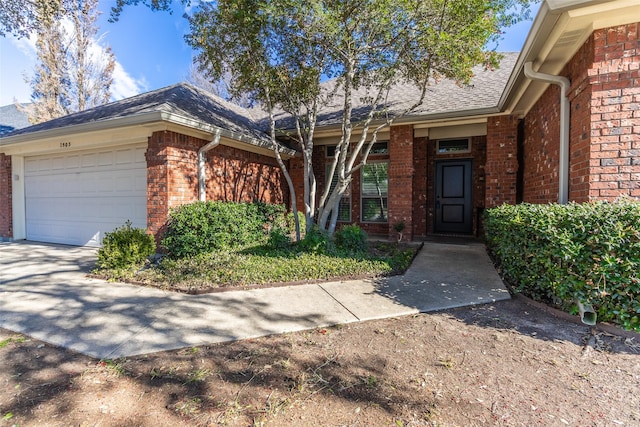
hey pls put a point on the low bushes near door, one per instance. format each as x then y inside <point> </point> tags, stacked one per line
<point>221,245</point>
<point>560,254</point>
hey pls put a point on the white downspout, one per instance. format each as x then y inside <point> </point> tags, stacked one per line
<point>565,117</point>
<point>202,177</point>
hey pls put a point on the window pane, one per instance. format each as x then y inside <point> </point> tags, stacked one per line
<point>453,145</point>
<point>344,209</point>
<point>374,188</point>
<point>381,147</point>
<point>374,210</point>
<point>375,181</point>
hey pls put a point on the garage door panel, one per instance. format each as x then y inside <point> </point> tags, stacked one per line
<point>75,199</point>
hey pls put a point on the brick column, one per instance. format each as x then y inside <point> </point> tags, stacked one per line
<point>172,175</point>
<point>615,117</point>
<point>6,214</point>
<point>502,161</point>
<point>157,184</point>
<point>400,197</point>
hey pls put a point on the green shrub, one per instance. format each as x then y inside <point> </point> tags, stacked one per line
<point>316,241</point>
<point>125,247</point>
<point>279,238</point>
<point>203,227</point>
<point>563,253</point>
<point>351,238</point>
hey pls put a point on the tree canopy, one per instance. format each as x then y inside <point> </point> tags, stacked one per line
<point>298,56</point>
<point>24,17</point>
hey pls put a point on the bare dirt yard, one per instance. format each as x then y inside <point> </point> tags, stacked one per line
<point>504,364</point>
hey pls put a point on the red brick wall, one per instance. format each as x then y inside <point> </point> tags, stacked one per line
<point>604,145</point>
<point>232,175</point>
<point>580,130</point>
<point>241,176</point>
<point>401,179</point>
<point>541,149</point>
<point>6,215</point>
<point>501,166</point>
<point>296,172</point>
<point>420,182</point>
<point>615,115</point>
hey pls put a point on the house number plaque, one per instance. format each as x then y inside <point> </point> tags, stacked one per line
<point>65,144</point>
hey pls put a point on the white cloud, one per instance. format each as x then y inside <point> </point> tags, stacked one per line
<point>124,85</point>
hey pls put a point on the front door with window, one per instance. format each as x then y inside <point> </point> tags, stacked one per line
<point>453,204</point>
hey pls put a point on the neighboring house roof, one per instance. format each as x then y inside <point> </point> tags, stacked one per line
<point>11,118</point>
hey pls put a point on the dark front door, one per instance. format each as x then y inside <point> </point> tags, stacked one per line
<point>453,197</point>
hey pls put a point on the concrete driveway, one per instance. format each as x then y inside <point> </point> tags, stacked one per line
<point>45,293</point>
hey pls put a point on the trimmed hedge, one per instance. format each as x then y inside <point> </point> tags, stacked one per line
<point>203,227</point>
<point>562,253</point>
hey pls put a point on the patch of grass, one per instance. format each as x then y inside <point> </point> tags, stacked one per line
<point>115,366</point>
<point>262,265</point>
<point>198,375</point>
<point>12,339</point>
<point>446,362</point>
<point>162,372</point>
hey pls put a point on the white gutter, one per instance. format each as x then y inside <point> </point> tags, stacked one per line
<point>565,117</point>
<point>202,175</point>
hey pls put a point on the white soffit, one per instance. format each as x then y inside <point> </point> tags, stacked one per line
<point>462,131</point>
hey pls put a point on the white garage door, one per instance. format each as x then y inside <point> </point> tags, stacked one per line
<point>75,198</point>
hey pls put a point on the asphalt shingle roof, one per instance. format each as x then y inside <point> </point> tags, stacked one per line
<point>185,100</point>
<point>182,99</point>
<point>443,97</point>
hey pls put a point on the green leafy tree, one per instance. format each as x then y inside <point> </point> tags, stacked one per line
<point>24,17</point>
<point>281,51</point>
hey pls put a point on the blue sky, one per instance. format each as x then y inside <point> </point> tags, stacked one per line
<point>149,49</point>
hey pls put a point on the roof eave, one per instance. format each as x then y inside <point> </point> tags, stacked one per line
<point>138,119</point>
<point>142,119</point>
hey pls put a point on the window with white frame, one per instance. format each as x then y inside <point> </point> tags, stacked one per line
<point>374,188</point>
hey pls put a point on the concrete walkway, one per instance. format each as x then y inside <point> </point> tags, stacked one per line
<point>44,293</point>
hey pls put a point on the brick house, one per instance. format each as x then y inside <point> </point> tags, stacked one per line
<point>560,121</point>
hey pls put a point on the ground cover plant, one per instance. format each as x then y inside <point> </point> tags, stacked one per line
<point>560,254</point>
<point>214,245</point>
